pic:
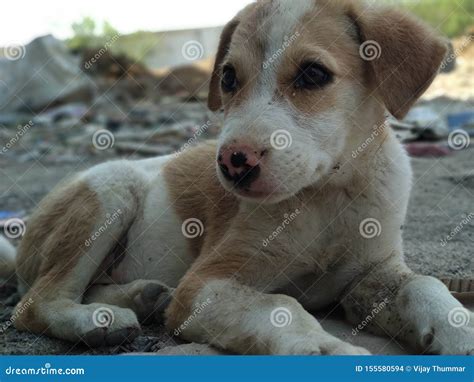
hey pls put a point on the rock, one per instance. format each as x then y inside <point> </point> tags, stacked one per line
<point>46,60</point>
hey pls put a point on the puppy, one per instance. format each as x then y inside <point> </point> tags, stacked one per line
<point>298,205</point>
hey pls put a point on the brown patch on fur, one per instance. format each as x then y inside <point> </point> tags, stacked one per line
<point>410,56</point>
<point>195,192</point>
<point>53,243</point>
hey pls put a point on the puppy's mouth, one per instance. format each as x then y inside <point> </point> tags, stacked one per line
<point>245,185</point>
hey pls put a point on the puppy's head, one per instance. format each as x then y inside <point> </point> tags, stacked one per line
<point>297,79</point>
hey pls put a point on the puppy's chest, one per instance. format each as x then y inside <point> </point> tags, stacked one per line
<point>311,234</point>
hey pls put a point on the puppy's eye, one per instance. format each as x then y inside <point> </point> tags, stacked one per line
<point>312,75</point>
<point>229,79</point>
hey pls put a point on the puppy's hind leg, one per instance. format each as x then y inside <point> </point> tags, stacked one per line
<point>67,239</point>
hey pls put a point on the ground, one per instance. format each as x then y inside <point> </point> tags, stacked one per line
<point>442,197</point>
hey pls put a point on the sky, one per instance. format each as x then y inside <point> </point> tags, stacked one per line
<point>23,20</point>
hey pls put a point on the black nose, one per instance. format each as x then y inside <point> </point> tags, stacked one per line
<point>238,159</point>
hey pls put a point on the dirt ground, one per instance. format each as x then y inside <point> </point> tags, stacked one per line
<point>443,195</point>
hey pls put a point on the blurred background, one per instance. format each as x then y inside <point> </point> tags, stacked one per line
<point>86,81</point>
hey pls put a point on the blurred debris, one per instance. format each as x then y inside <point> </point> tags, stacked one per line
<point>463,120</point>
<point>186,81</point>
<point>427,150</point>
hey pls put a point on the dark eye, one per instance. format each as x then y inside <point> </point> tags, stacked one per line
<point>229,79</point>
<point>312,75</point>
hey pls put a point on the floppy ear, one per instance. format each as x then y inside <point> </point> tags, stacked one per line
<point>403,55</point>
<point>214,101</point>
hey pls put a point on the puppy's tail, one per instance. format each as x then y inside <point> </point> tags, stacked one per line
<point>7,259</point>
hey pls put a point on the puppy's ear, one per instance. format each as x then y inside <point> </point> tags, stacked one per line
<point>214,101</point>
<point>403,55</point>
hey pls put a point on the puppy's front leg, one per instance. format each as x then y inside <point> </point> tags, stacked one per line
<point>221,301</point>
<point>414,308</point>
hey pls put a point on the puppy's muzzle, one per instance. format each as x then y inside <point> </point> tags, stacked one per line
<point>240,164</point>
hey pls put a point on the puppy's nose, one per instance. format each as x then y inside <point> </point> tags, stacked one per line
<point>240,164</point>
